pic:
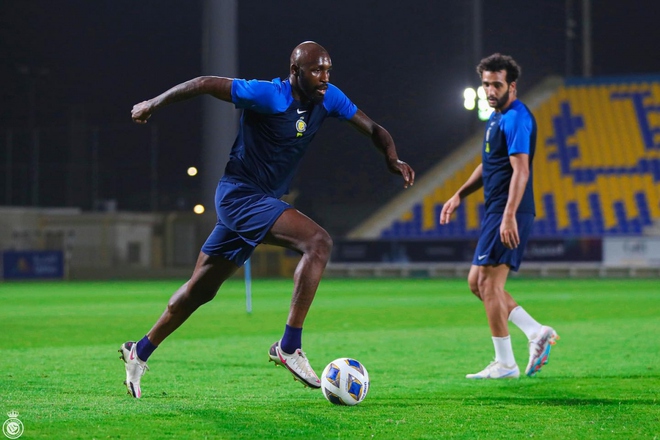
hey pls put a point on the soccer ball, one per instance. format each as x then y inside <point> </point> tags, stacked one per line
<point>345,381</point>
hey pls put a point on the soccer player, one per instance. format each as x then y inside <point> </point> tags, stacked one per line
<point>279,120</point>
<point>506,176</point>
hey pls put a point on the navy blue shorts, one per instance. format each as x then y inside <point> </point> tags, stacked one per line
<point>491,251</point>
<point>244,218</point>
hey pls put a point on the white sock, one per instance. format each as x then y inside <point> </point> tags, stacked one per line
<point>525,322</point>
<point>504,351</point>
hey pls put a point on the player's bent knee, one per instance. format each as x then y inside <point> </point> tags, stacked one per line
<point>320,246</point>
<point>473,284</point>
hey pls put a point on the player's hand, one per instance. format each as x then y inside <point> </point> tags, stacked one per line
<point>141,112</point>
<point>403,169</point>
<point>509,232</point>
<point>448,209</point>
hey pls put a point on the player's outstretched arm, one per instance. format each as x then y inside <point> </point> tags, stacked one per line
<point>216,86</point>
<point>382,140</point>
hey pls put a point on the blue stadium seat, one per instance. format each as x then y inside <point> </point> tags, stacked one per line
<point>574,217</point>
<point>643,208</point>
<point>620,213</point>
<point>635,226</point>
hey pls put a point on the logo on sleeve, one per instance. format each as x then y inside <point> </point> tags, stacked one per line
<point>301,126</point>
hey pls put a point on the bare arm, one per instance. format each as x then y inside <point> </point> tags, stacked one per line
<point>216,86</point>
<point>474,182</point>
<point>509,227</point>
<point>383,141</point>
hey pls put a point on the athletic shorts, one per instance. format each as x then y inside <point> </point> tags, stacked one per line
<point>245,216</point>
<point>491,251</point>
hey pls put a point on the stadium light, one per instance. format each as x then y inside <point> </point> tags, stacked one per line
<point>192,171</point>
<point>476,99</point>
<point>199,209</point>
<point>484,109</point>
<point>469,96</point>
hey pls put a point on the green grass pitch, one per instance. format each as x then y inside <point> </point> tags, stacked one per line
<point>59,366</point>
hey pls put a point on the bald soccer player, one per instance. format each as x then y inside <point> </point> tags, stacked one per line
<point>278,122</point>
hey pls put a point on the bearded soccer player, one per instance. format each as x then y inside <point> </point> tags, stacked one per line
<point>505,174</point>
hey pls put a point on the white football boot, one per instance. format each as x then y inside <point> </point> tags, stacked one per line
<point>495,370</point>
<point>135,368</point>
<point>539,349</point>
<point>296,363</point>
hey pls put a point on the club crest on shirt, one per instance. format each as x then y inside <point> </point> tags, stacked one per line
<point>301,126</point>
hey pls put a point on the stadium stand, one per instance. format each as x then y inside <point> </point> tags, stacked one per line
<point>596,168</point>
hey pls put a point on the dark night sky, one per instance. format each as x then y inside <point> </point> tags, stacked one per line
<point>404,64</point>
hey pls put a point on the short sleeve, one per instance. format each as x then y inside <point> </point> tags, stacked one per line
<point>518,131</point>
<point>337,104</point>
<point>259,96</point>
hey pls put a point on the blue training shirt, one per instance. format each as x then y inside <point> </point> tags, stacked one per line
<point>509,132</point>
<point>275,131</point>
